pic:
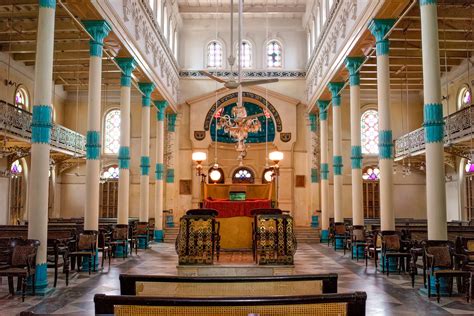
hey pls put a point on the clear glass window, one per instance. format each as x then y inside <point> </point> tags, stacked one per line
<point>21,99</point>
<point>370,132</point>
<point>246,54</point>
<point>274,55</point>
<point>112,132</point>
<point>371,174</point>
<point>110,173</point>
<point>214,55</point>
<point>16,168</point>
<point>464,96</point>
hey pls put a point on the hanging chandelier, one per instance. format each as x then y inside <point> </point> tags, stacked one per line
<point>238,125</point>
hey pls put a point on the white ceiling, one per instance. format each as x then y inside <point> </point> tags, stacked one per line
<point>206,9</point>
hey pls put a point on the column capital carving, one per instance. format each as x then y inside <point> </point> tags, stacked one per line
<point>379,29</point>
<point>335,88</point>
<point>323,109</point>
<point>171,122</point>
<point>99,29</point>
<point>312,122</point>
<point>160,107</point>
<point>146,88</point>
<point>127,65</point>
<point>352,65</point>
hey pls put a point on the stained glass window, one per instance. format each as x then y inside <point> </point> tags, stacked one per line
<point>371,174</point>
<point>21,99</point>
<point>274,59</point>
<point>16,168</point>
<point>267,175</point>
<point>243,175</point>
<point>214,55</point>
<point>469,167</point>
<point>464,96</point>
<point>110,173</point>
<point>370,132</point>
<point>246,54</point>
<point>112,132</point>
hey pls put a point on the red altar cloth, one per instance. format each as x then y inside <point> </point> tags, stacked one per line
<point>228,208</point>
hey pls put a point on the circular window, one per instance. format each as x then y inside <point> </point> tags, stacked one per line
<point>243,175</point>
<point>464,96</point>
<point>110,173</point>
<point>216,175</point>
<point>371,174</point>
<point>267,175</point>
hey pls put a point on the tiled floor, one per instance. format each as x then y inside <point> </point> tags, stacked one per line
<point>386,296</point>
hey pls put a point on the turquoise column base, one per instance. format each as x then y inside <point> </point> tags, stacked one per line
<point>392,264</point>
<point>443,286</point>
<point>315,221</point>
<point>121,251</point>
<point>324,236</point>
<point>361,251</point>
<point>158,235</point>
<point>169,221</point>
<point>339,245</point>
<point>85,263</point>
<point>142,242</point>
<point>41,281</point>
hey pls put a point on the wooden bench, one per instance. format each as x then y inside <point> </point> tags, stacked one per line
<point>352,304</point>
<point>183,286</point>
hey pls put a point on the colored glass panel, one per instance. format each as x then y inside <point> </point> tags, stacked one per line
<point>370,132</point>
<point>112,132</point>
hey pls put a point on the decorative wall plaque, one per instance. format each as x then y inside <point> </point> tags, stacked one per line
<point>185,187</point>
<point>285,137</point>
<point>300,181</point>
<point>199,135</point>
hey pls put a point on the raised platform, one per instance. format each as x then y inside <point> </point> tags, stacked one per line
<point>234,270</point>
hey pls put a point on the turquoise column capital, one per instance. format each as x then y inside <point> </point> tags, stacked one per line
<point>160,107</point>
<point>312,121</point>
<point>146,88</point>
<point>379,29</point>
<point>335,88</point>
<point>323,109</point>
<point>51,4</point>
<point>98,29</point>
<point>127,65</point>
<point>171,122</point>
<point>428,2</point>
<point>352,65</point>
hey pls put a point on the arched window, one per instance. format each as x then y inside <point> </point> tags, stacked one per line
<point>152,5</point>
<point>110,173</point>
<point>274,54</point>
<point>369,122</point>
<point>464,96</point>
<point>214,55</point>
<point>165,26</point>
<point>245,54</point>
<point>371,174</point>
<point>243,175</point>
<point>216,175</point>
<point>21,99</point>
<point>112,132</point>
<point>371,194</point>
<point>16,168</point>
<point>159,12</point>
<point>267,176</point>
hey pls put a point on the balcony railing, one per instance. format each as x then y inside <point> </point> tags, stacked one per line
<point>457,127</point>
<point>16,122</point>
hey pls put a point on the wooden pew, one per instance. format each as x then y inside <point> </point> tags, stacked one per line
<point>352,304</point>
<point>183,286</point>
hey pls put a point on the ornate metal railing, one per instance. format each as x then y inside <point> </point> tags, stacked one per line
<point>457,127</point>
<point>17,122</point>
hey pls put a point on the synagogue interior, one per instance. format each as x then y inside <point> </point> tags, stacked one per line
<point>236,157</point>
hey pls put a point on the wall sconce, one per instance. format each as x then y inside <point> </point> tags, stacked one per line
<point>276,157</point>
<point>198,157</point>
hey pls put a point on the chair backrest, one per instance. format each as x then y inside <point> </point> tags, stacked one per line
<point>266,211</point>
<point>339,228</point>
<point>23,252</point>
<point>203,211</point>
<point>442,256</point>
<point>142,228</point>
<point>358,233</point>
<point>391,242</point>
<point>87,240</point>
<point>120,232</point>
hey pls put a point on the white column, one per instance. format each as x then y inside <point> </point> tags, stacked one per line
<point>314,164</point>
<point>433,122</point>
<point>159,169</point>
<point>352,65</point>
<point>379,28</point>
<point>323,116</point>
<point>146,88</point>
<point>127,65</point>
<point>171,157</point>
<point>335,88</point>
<point>41,138</point>
<point>99,30</point>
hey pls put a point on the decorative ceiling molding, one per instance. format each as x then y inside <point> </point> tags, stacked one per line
<point>283,74</point>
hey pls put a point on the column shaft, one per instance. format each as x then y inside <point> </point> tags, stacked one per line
<point>323,104</point>
<point>160,130</point>
<point>146,89</point>
<point>99,30</point>
<point>335,88</point>
<point>40,138</point>
<point>353,64</point>
<point>379,28</point>
<point>314,163</point>
<point>433,122</point>
<point>127,65</point>
<point>170,172</point>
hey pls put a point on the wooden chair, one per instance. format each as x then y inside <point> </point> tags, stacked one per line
<point>441,264</point>
<point>104,245</point>
<point>357,241</point>
<point>21,264</point>
<point>142,233</point>
<point>392,248</point>
<point>151,229</point>
<point>340,233</point>
<point>119,237</point>
<point>86,247</point>
<point>255,230</point>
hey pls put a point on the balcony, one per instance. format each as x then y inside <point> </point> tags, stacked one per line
<point>15,124</point>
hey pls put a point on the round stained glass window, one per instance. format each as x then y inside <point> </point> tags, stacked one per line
<point>215,175</point>
<point>371,174</point>
<point>268,176</point>
<point>370,132</point>
<point>111,172</point>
